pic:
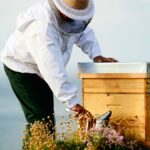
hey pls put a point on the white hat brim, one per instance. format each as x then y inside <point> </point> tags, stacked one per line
<point>74,13</point>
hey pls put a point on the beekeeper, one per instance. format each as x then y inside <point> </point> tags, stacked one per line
<point>37,52</point>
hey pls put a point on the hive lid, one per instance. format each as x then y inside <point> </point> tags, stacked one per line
<point>133,67</point>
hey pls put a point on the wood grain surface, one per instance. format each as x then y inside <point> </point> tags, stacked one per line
<point>126,95</point>
<point>128,110</point>
<point>114,75</point>
<point>114,86</point>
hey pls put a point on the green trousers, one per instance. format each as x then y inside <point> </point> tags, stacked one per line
<point>34,95</point>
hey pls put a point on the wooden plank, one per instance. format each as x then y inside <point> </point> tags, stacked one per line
<point>148,91</point>
<point>114,86</point>
<point>147,85</point>
<point>148,117</point>
<point>114,75</point>
<point>147,143</point>
<point>148,81</point>
<point>128,110</point>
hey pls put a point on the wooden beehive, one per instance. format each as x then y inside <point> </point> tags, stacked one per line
<point>123,88</point>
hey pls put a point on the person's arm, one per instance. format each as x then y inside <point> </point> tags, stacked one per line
<point>90,46</point>
<point>88,43</point>
<point>44,48</point>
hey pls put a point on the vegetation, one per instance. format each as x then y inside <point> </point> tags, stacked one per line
<point>38,137</point>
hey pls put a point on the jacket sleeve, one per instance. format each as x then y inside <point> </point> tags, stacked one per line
<point>88,43</point>
<point>44,47</point>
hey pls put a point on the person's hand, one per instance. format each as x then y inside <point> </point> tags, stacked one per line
<point>83,116</point>
<point>102,59</point>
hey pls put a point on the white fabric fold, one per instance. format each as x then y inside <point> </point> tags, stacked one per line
<point>38,46</point>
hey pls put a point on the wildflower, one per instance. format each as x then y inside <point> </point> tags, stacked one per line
<point>73,138</point>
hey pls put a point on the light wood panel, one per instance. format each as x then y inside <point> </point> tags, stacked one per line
<point>114,86</point>
<point>148,117</point>
<point>127,95</point>
<point>147,85</point>
<point>114,75</point>
<point>127,109</point>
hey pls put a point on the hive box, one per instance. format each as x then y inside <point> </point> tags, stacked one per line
<point>123,88</point>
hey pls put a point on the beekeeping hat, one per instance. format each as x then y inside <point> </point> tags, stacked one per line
<point>76,9</point>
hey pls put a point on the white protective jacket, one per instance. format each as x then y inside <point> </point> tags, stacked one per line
<point>38,46</point>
